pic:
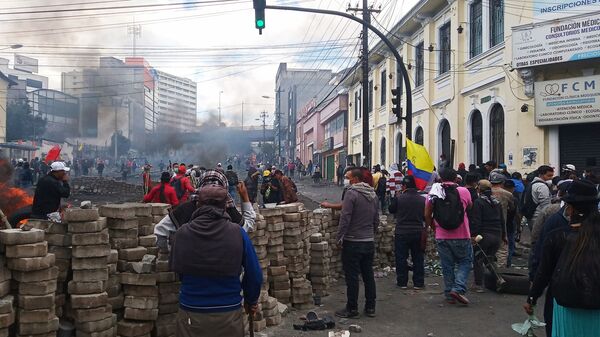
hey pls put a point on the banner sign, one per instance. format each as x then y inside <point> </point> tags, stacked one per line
<point>561,40</point>
<point>546,10</point>
<point>567,101</point>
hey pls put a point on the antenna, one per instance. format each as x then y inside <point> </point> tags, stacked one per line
<point>135,31</point>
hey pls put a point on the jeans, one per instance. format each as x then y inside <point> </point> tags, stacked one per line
<point>511,249</point>
<point>405,243</point>
<point>232,193</point>
<point>456,257</point>
<point>490,245</point>
<point>357,259</point>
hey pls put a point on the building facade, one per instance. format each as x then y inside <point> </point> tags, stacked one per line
<point>333,118</point>
<point>5,84</point>
<point>177,102</point>
<point>59,110</point>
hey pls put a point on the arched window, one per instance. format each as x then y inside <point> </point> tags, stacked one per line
<point>400,150</point>
<point>419,136</point>
<point>382,152</point>
<point>444,142</point>
<point>370,157</point>
<point>476,138</point>
<point>497,134</point>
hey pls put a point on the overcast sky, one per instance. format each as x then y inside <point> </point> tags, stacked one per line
<point>213,43</point>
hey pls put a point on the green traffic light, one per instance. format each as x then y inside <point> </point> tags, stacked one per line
<point>260,23</point>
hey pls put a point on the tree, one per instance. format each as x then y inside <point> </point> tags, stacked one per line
<point>21,124</point>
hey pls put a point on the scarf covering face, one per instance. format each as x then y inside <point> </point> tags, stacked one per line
<point>214,177</point>
<point>365,189</point>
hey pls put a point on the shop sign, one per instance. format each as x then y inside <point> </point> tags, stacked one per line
<point>567,101</point>
<point>546,10</point>
<point>327,144</point>
<point>562,40</point>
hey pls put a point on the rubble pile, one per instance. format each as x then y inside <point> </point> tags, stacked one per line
<point>87,185</point>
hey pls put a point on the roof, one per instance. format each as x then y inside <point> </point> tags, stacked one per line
<point>17,146</point>
<point>4,77</point>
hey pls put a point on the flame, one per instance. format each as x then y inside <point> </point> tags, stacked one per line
<point>12,199</point>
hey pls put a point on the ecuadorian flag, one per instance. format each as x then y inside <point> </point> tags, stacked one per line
<point>419,163</point>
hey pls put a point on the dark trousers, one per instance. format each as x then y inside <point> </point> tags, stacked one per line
<point>406,243</point>
<point>357,259</point>
<point>548,311</point>
<point>490,245</point>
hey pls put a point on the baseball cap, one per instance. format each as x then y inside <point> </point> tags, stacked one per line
<point>266,173</point>
<point>219,165</point>
<point>497,177</point>
<point>569,167</point>
<point>59,166</point>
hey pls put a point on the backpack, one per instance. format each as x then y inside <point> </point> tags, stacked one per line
<point>527,205</point>
<point>449,213</point>
<point>178,186</point>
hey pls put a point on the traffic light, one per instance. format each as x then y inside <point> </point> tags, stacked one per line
<point>259,11</point>
<point>396,109</point>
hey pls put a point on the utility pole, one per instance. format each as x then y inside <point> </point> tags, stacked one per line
<point>135,31</point>
<point>263,116</point>
<point>366,13</point>
<point>220,92</point>
<point>278,116</point>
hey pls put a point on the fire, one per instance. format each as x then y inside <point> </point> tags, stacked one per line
<point>12,199</point>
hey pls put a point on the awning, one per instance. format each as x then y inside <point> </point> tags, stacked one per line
<point>16,146</point>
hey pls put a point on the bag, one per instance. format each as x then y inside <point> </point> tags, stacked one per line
<point>178,186</point>
<point>449,213</point>
<point>528,206</point>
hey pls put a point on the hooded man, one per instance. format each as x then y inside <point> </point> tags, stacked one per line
<point>210,253</point>
<point>251,183</point>
<point>49,191</point>
<point>181,183</point>
<point>356,234</point>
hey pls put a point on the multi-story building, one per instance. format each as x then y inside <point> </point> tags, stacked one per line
<point>59,110</point>
<point>24,74</point>
<point>5,84</point>
<point>294,89</point>
<point>177,102</point>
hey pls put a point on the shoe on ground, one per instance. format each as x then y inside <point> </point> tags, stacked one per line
<point>370,312</point>
<point>418,287</point>
<point>402,286</point>
<point>345,313</point>
<point>459,297</point>
<point>450,300</point>
<point>478,289</point>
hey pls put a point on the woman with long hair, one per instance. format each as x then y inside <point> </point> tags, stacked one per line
<point>571,268</point>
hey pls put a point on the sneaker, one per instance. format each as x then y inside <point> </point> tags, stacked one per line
<point>459,297</point>
<point>403,287</point>
<point>370,312</point>
<point>450,300</point>
<point>418,287</point>
<point>345,313</point>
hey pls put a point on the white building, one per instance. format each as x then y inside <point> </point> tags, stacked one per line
<point>177,100</point>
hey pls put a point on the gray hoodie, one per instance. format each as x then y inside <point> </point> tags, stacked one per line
<point>360,216</point>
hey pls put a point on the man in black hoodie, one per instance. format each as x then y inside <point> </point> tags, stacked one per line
<point>409,208</point>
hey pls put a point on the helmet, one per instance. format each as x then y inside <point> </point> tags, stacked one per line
<point>266,173</point>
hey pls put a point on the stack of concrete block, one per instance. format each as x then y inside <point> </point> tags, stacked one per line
<point>113,285</point>
<point>260,240</point>
<point>385,242</point>
<point>319,265</point>
<point>145,222</point>
<point>7,310</point>
<point>270,311</point>
<point>34,270</point>
<point>141,303</point>
<point>122,226</point>
<point>280,286</point>
<point>302,293</point>
<point>168,298</point>
<point>275,227</point>
<point>293,244</point>
<point>88,298</point>
<point>159,211</point>
<point>335,260</point>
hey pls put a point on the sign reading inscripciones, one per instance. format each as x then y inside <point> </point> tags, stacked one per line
<point>567,101</point>
<point>561,40</point>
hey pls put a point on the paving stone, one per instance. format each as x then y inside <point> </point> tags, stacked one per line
<point>141,209</point>
<point>15,236</point>
<point>141,314</point>
<point>168,308</point>
<point>91,251</point>
<point>90,315</point>
<point>89,263</point>
<point>165,277</point>
<point>35,316</point>
<point>6,304</point>
<point>157,218</point>
<point>260,325</point>
<point>147,241</point>
<point>165,330</point>
<point>160,209</point>
<point>113,257</point>
<point>145,221</point>
<point>112,268</point>
<point>5,273</point>
<point>38,249</point>
<point>85,288</point>
<point>32,302</point>
<point>7,319</point>
<point>169,288</point>
<point>140,290</point>
<point>110,332</point>
<point>80,215</point>
<point>122,224</point>
<point>90,275</point>
<point>121,211</point>
<point>138,279</point>
<point>87,239</point>
<point>63,240</point>
<point>132,254</point>
<point>38,328</point>
<point>130,233</point>
<point>95,326</point>
<point>145,229</point>
<point>127,328</point>
<point>169,298</point>
<point>153,251</point>
<point>35,276</point>
<point>162,266</point>
<point>31,263</point>
<point>87,227</point>
<point>89,301</point>
<point>124,243</point>
<point>141,302</point>
<point>116,302</point>
<point>37,288</point>
<point>273,320</point>
<point>60,252</point>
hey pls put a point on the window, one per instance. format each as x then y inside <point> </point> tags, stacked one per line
<point>371,96</point>
<point>476,27</point>
<point>496,22</point>
<point>445,47</point>
<point>357,105</point>
<point>419,66</point>
<point>383,87</point>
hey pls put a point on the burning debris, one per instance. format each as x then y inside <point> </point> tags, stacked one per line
<point>12,199</point>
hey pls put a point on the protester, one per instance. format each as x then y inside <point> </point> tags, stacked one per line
<point>270,189</point>
<point>288,188</point>
<point>462,172</point>
<point>358,224</point>
<point>182,184</point>
<point>513,221</point>
<point>147,179</point>
<point>538,195</point>
<point>251,183</point>
<point>232,180</point>
<point>26,178</point>
<point>446,213</point>
<point>216,262</point>
<point>340,175</point>
<point>504,170</point>
<point>100,167</point>
<point>409,208</point>
<point>163,193</point>
<point>570,266</point>
<point>443,162</point>
<point>507,202</point>
<point>49,191</point>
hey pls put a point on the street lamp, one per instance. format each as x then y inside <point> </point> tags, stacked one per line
<point>13,46</point>
<point>220,92</point>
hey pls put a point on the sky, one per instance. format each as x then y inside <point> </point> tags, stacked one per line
<point>214,43</point>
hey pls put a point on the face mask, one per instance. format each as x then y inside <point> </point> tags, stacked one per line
<point>346,182</point>
<point>566,216</point>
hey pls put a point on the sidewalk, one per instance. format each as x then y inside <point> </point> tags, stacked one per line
<point>313,194</point>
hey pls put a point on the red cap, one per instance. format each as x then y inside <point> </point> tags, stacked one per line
<point>182,169</point>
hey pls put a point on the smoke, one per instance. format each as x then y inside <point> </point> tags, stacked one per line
<point>6,171</point>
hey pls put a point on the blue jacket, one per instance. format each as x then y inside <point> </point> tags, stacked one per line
<point>556,222</point>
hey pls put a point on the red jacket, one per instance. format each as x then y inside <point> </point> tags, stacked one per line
<point>169,193</point>
<point>185,184</point>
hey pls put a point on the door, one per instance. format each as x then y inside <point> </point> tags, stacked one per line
<point>476,138</point>
<point>497,134</point>
<point>330,168</point>
<point>583,154</point>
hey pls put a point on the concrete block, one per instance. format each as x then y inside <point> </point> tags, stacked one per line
<point>169,288</point>
<point>168,308</point>
<point>292,217</point>
<point>112,268</point>
<point>144,230</point>
<point>6,304</point>
<point>80,215</point>
<point>15,236</point>
<point>89,301</point>
<point>90,275</point>
<point>153,251</point>
<point>30,302</point>
<point>141,302</point>
<point>95,326</point>
<point>141,209</point>
<point>113,291</point>
<point>31,263</point>
<point>86,288</point>
<point>36,276</point>
<point>169,298</point>
<point>127,328</point>
<point>144,221</point>
<point>38,288</point>
<point>157,218</point>
<point>147,241</point>
<point>5,273</point>
<point>165,330</point>
<point>162,266</point>
<point>121,211</point>
<point>165,277</point>
<point>113,257</point>
<point>7,319</point>
<point>260,325</point>
<point>55,227</point>
<point>138,279</point>
<point>35,316</point>
<point>38,249</point>
<point>160,209</point>
<point>141,314</point>
<point>63,240</point>
<point>132,254</point>
<point>110,332</point>
<point>140,290</point>
<point>90,251</point>
<point>273,320</point>
<point>90,315</point>
<point>130,233</point>
<point>87,239</point>
<point>88,226</point>
<point>124,243</point>
<point>116,302</point>
<point>89,263</point>
<point>60,252</point>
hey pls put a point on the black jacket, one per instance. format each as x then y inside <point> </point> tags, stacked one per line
<point>486,217</point>
<point>47,196</point>
<point>409,208</point>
